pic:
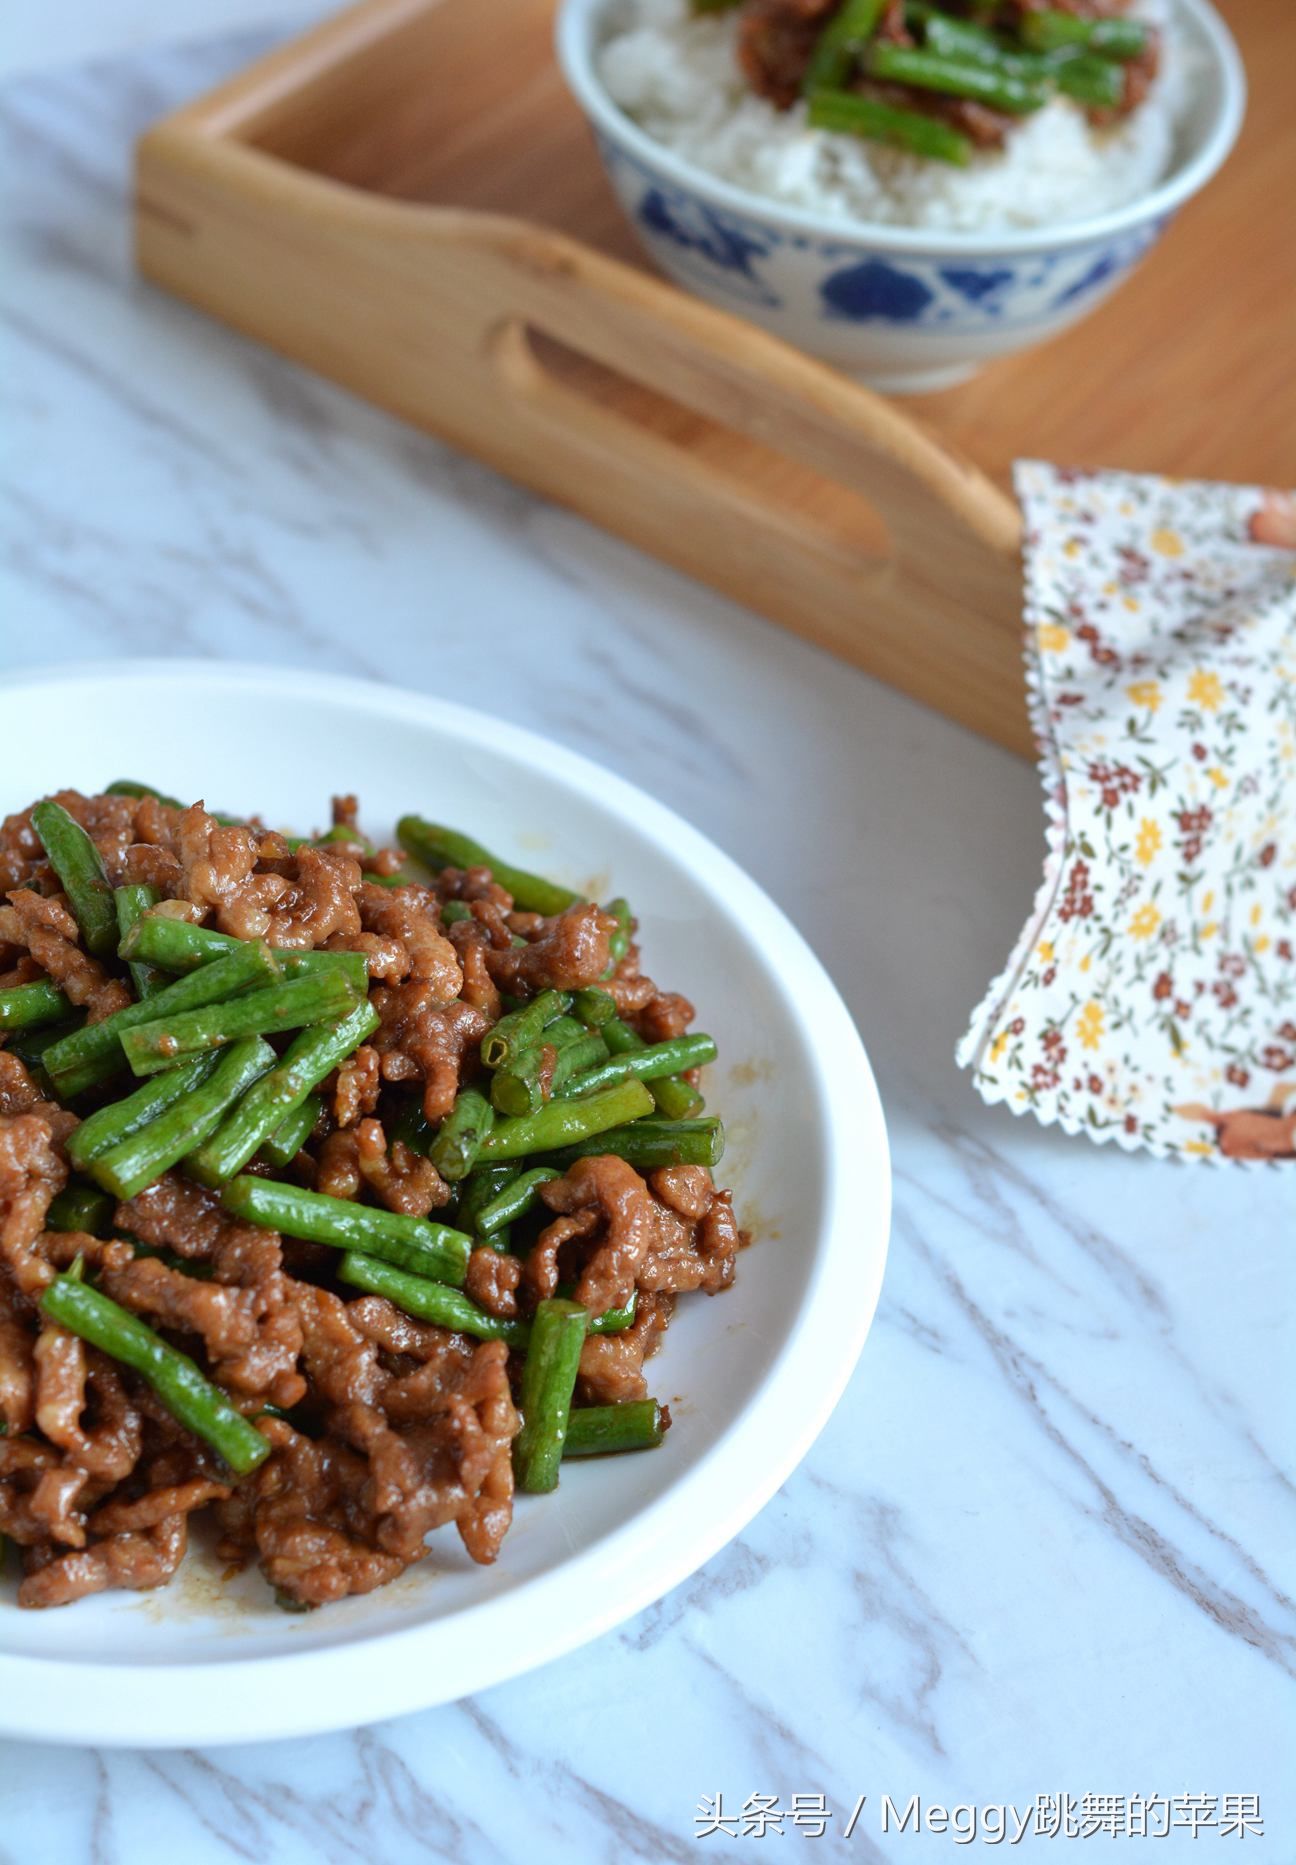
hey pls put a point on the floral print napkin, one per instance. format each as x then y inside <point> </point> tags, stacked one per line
<point>1151,999</point>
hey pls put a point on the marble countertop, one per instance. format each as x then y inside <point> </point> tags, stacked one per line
<point>1040,1549</point>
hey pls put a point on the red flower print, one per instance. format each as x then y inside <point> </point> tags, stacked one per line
<point>1267,855</point>
<point>1274,1056</point>
<point>1077,902</point>
<point>1238,1075</point>
<point>1017,1025</point>
<point>1232,965</point>
<point>1200,753</point>
<point>1131,1123</point>
<point>1225,994</point>
<point>1287,1031</point>
<point>1162,986</point>
<point>1284,950</point>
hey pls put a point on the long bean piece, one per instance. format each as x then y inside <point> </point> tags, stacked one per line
<point>479,1189</point>
<point>520,1030</point>
<point>648,1144</point>
<point>612,1320</point>
<point>957,77</point>
<point>619,942</point>
<point>167,1040</point>
<point>565,1123</point>
<point>646,1064</point>
<point>438,847</point>
<point>581,1057</point>
<point>1047,31</point>
<point>593,1007</point>
<point>840,45</point>
<point>1090,80</point>
<point>922,135</point>
<point>292,1133</point>
<point>129,903</point>
<point>462,1135</point>
<point>187,1393</point>
<point>81,1207</point>
<point>676,1098</point>
<point>514,1200</point>
<point>548,1381</point>
<point>430,1301</point>
<point>112,1124</point>
<point>27,1006</point>
<point>175,945</point>
<point>76,861</point>
<point>146,1154</point>
<point>278,1095</point>
<point>600,1430</point>
<point>414,1243</point>
<point>94,1052</point>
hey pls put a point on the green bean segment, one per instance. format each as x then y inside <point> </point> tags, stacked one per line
<point>145,1155</point>
<point>188,1395</point>
<point>28,1006</point>
<point>119,1119</point>
<point>514,1201</point>
<point>462,1135</point>
<point>430,1301</point>
<point>601,1430</point>
<point>841,43</point>
<point>654,1059</point>
<point>76,861</point>
<point>647,1144</point>
<point>95,1052</point>
<point>81,1207</point>
<point>175,945</point>
<point>520,1030</point>
<point>161,1043</point>
<point>414,1243</point>
<point>438,847</point>
<point>292,1133</point>
<point>565,1123</point>
<point>888,123</point>
<point>957,77</point>
<point>548,1381</point>
<point>278,1095</point>
<point>129,903</point>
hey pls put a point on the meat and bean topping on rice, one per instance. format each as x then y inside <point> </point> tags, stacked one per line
<point>342,1190</point>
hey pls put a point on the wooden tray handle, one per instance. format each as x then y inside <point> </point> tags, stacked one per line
<point>750,384</point>
<point>441,315</point>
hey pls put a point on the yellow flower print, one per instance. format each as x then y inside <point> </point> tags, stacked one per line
<point>1217,777</point>
<point>1203,1147</point>
<point>1131,603</point>
<point>998,1046</point>
<point>1145,921</point>
<point>1149,840</point>
<point>1210,929</point>
<point>1257,914</point>
<point>1071,548</point>
<point>1053,638</point>
<point>1208,900</point>
<point>1044,951</point>
<point>1205,690</point>
<point>1145,693</point>
<point>1166,543</point>
<point>1089,1025</point>
<point>1261,944</point>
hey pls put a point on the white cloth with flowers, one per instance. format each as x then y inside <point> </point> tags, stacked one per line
<point>1151,998</point>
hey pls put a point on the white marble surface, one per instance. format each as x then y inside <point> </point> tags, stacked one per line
<point>1042,1547</point>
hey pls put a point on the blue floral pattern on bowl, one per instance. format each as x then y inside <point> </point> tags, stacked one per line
<point>855,305</point>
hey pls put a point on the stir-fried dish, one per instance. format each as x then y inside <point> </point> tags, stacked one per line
<point>342,1190</point>
<point>941,80</point>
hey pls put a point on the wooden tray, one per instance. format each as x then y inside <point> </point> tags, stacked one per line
<point>394,204</point>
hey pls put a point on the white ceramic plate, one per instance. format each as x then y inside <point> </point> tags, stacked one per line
<point>751,1376</point>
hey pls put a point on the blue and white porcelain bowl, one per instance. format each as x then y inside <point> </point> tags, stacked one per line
<point>906,309</point>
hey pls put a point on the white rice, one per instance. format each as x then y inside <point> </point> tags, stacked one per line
<point>676,75</point>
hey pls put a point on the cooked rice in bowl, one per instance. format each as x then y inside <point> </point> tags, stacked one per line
<point>676,74</point>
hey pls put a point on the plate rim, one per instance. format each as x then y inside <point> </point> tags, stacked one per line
<point>283,1696</point>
